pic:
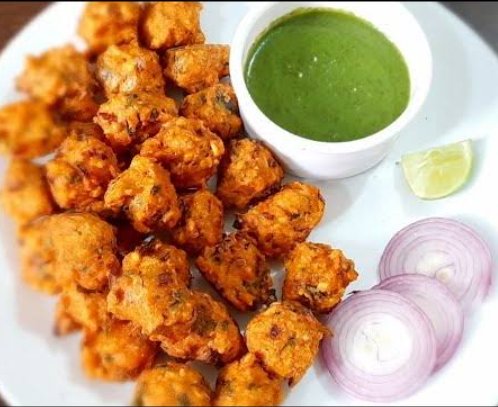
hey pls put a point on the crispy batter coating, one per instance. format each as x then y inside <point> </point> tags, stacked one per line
<point>285,337</point>
<point>38,256</point>
<point>116,352</point>
<point>284,219</point>
<point>152,291</point>
<point>211,336</point>
<point>317,276</point>
<point>201,224</point>
<point>129,69</point>
<point>61,77</point>
<point>195,67</point>
<point>171,24</point>
<point>64,324</point>
<point>155,259</point>
<point>145,193</point>
<point>25,194</point>
<point>237,269</point>
<point>128,120</point>
<point>80,172</point>
<point>188,150</point>
<point>28,130</point>
<point>248,172</point>
<point>246,383</point>
<point>172,384</point>
<point>85,248</point>
<point>87,309</point>
<point>105,23</point>
<point>218,109</point>
<point>84,129</point>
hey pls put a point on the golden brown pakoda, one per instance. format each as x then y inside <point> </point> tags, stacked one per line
<point>38,256</point>
<point>106,23</point>
<point>172,384</point>
<point>218,109</point>
<point>285,337</point>
<point>246,383</point>
<point>189,150</point>
<point>285,219</point>
<point>195,67</point>
<point>25,194</point>
<point>85,249</point>
<point>128,120</point>
<point>238,271</point>
<point>152,290</point>
<point>116,352</point>
<point>128,69</point>
<point>317,276</point>
<point>80,172</point>
<point>162,261</point>
<point>248,172</point>
<point>61,78</point>
<point>144,192</point>
<point>87,309</point>
<point>28,130</point>
<point>201,224</point>
<point>211,336</point>
<point>171,24</point>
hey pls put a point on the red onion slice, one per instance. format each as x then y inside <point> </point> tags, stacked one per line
<point>438,303</point>
<point>383,348</point>
<point>444,249</point>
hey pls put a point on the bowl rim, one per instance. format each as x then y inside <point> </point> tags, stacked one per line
<point>280,136</point>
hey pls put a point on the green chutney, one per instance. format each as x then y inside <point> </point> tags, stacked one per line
<point>327,75</point>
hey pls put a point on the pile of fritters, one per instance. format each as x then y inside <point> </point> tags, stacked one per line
<point>108,222</point>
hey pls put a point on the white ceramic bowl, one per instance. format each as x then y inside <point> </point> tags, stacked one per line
<point>327,160</point>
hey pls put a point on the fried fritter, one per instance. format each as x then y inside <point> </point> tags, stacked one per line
<point>106,23</point>
<point>195,67</point>
<point>128,69</point>
<point>172,384</point>
<point>146,195</point>
<point>188,150</point>
<point>246,383</point>
<point>285,337</point>
<point>211,336</point>
<point>85,248</point>
<point>116,352</point>
<point>152,291</point>
<point>128,120</point>
<point>218,109</point>
<point>28,130</point>
<point>248,172</point>
<point>239,272</point>
<point>155,259</point>
<point>171,24</point>
<point>25,193</point>
<point>80,172</point>
<point>317,276</point>
<point>61,77</point>
<point>38,256</point>
<point>87,309</point>
<point>201,224</point>
<point>284,219</point>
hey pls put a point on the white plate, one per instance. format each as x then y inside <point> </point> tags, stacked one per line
<point>362,214</point>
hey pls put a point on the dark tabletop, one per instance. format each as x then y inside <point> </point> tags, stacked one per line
<point>481,15</point>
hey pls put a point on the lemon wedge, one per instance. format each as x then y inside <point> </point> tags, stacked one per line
<point>438,172</point>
